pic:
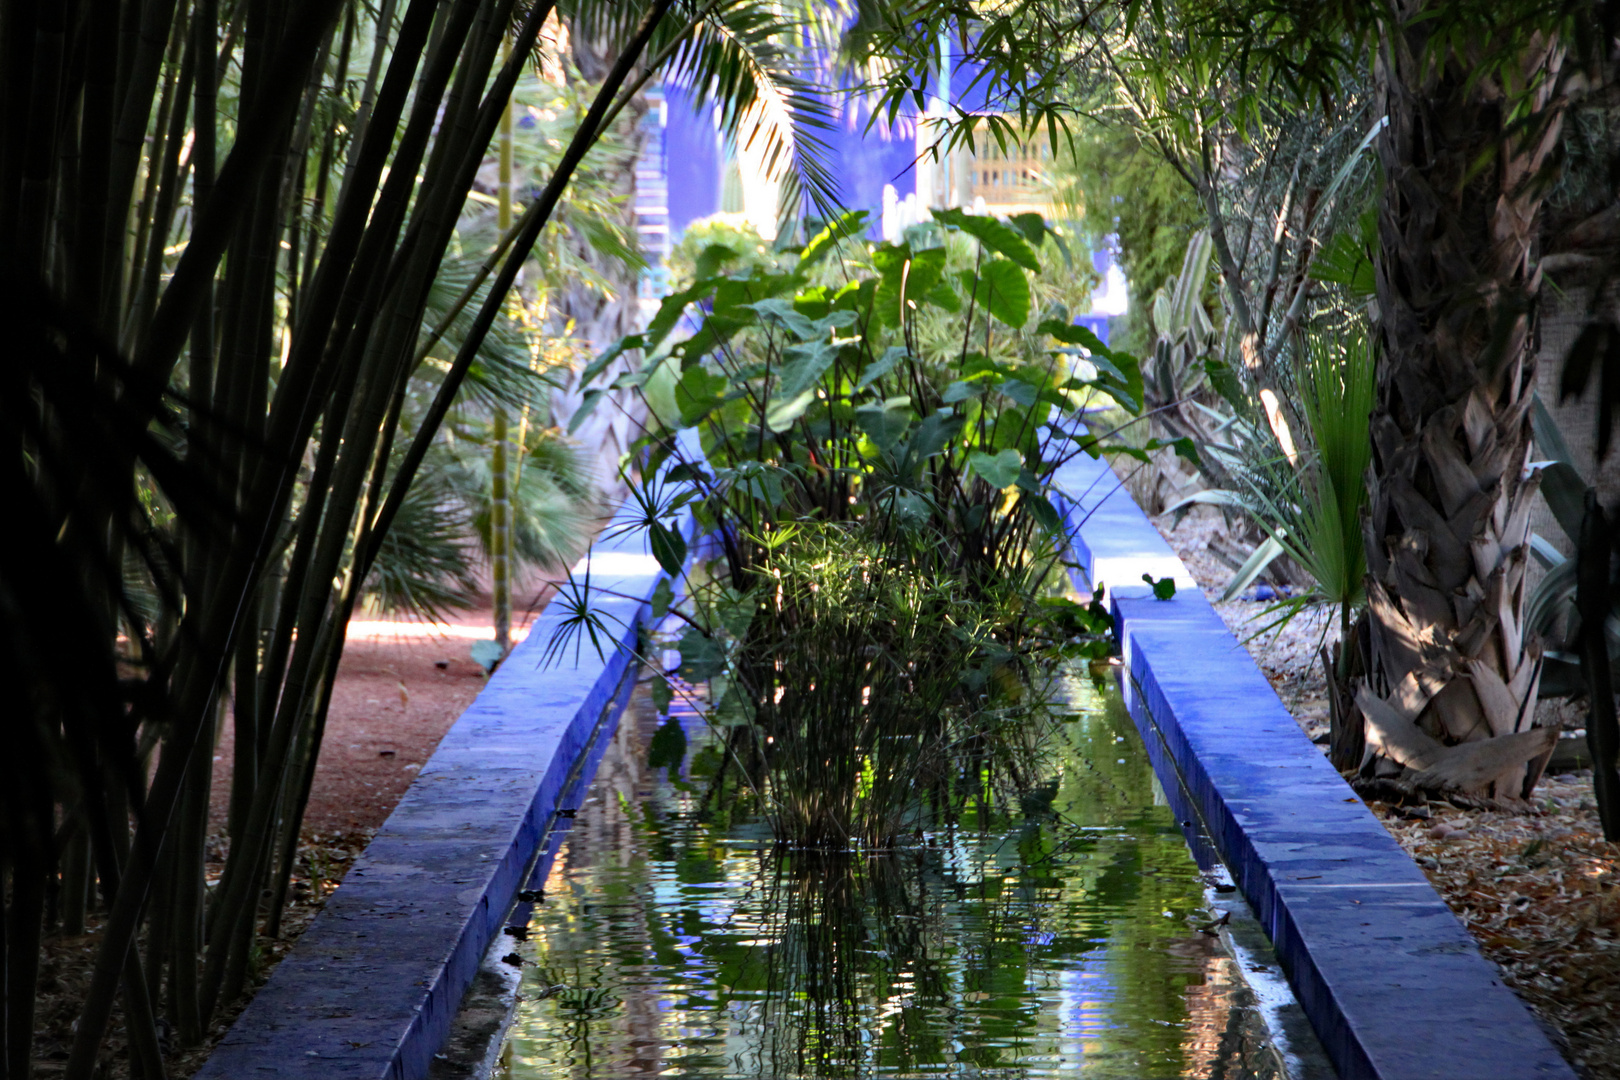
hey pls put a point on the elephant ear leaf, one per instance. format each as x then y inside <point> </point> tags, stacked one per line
<point>998,470</point>
<point>668,547</point>
<point>884,424</point>
<point>1036,230</point>
<point>995,235</point>
<point>1004,291</point>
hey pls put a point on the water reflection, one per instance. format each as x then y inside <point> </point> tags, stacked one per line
<point>1059,941</point>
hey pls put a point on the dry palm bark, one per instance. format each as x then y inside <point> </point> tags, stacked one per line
<point>1464,155</point>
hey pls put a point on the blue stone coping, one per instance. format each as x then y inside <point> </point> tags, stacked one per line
<point>372,986</point>
<point>1393,983</point>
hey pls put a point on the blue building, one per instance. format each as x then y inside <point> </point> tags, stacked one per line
<point>690,171</point>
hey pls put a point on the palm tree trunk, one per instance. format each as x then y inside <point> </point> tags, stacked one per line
<point>1447,535</point>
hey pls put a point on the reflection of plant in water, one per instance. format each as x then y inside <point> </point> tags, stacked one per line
<point>994,946</point>
<point>846,930</point>
<point>579,1005</point>
<point>937,950</point>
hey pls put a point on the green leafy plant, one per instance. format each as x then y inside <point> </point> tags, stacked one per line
<point>1321,530</point>
<point>1163,588</point>
<point>1310,506</point>
<point>875,608</point>
<point>723,242</point>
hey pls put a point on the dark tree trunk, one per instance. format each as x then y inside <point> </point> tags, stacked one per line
<point>1447,548</point>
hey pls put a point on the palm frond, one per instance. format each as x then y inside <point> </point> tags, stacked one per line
<point>747,59</point>
<point>503,374</point>
<point>550,450</point>
<point>424,565</point>
<point>1312,512</point>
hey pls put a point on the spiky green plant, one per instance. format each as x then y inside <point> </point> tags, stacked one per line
<point>1323,531</point>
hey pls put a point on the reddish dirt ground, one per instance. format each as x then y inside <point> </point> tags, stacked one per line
<point>400,686</point>
<point>391,705</point>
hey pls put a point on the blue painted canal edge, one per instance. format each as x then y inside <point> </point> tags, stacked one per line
<point>372,986</point>
<point>1389,978</point>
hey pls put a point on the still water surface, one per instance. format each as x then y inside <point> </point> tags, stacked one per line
<point>1062,941</point>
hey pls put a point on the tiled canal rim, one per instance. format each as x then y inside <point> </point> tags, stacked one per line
<point>371,988</point>
<point>1391,981</point>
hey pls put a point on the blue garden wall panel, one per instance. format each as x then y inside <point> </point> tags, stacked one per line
<point>693,160</point>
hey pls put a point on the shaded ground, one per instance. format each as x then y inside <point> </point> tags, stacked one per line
<point>399,688</point>
<point>1539,888</point>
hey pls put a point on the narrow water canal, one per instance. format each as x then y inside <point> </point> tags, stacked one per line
<point>1061,941</point>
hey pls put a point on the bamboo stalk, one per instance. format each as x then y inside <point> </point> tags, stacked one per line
<point>465,140</point>
<point>76,878</point>
<point>188,890</point>
<point>317,212</point>
<point>215,221</point>
<point>500,507</point>
<point>148,180</point>
<point>95,160</point>
<point>355,304</point>
<point>538,214</point>
<point>214,628</point>
<point>373,388</point>
<point>368,100</point>
<point>24,915</point>
<point>135,95</point>
<point>169,182</point>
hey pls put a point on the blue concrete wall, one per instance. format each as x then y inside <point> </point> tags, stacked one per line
<point>693,160</point>
<point>1392,982</point>
<point>866,158</point>
<point>373,984</point>
<point>862,160</point>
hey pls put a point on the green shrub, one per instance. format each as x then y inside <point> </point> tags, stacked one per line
<point>880,596</point>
